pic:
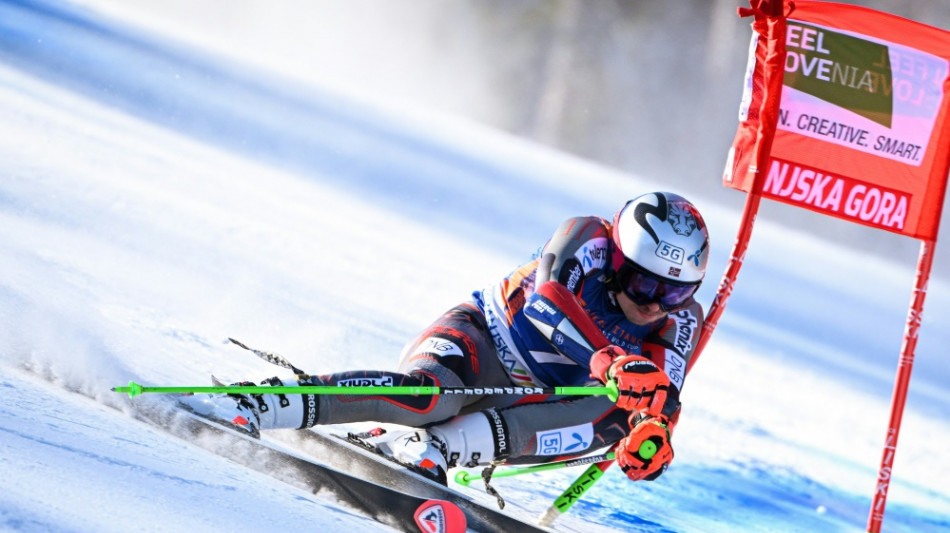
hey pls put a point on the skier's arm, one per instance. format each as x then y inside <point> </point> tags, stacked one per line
<point>646,452</point>
<point>577,248</point>
<point>558,315</point>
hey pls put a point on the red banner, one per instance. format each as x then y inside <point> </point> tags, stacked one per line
<point>863,131</point>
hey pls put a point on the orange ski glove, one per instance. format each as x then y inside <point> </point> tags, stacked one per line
<point>646,452</point>
<point>642,386</point>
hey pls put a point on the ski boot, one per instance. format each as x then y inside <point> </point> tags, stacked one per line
<point>416,449</point>
<point>250,413</point>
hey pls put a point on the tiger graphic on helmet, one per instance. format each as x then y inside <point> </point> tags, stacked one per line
<point>681,219</point>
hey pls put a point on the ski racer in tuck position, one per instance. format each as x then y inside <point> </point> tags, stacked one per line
<point>631,279</point>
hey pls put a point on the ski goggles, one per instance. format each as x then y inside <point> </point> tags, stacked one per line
<point>645,287</point>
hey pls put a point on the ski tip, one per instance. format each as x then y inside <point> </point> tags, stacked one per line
<point>440,516</point>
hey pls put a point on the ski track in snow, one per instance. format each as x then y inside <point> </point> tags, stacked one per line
<point>156,199</point>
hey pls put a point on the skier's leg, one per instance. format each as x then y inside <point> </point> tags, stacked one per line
<point>451,352</point>
<point>533,432</point>
<point>448,353</point>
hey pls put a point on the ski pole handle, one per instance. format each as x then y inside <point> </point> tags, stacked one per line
<point>609,390</point>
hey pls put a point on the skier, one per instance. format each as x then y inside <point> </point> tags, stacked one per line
<point>631,280</point>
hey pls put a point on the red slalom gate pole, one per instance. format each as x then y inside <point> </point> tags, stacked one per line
<point>728,281</point>
<point>905,366</point>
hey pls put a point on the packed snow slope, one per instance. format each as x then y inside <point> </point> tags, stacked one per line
<point>156,199</point>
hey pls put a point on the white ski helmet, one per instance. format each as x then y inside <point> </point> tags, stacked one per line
<point>659,235</point>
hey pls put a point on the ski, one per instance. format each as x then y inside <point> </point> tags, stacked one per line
<point>369,484</point>
<point>402,511</point>
<point>362,461</point>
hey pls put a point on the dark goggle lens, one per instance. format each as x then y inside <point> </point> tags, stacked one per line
<point>644,288</point>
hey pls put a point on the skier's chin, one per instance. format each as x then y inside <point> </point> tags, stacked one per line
<point>642,315</point>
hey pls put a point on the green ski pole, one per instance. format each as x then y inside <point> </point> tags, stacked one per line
<point>586,480</point>
<point>574,492</point>
<point>610,390</point>
<point>465,478</point>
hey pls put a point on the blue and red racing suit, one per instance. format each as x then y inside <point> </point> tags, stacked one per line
<point>581,249</point>
<point>489,342</point>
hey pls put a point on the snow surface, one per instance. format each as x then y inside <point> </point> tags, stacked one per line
<point>156,199</point>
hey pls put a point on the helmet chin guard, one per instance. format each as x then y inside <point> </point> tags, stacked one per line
<point>662,233</point>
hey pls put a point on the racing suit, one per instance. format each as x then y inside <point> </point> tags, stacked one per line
<point>489,342</point>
